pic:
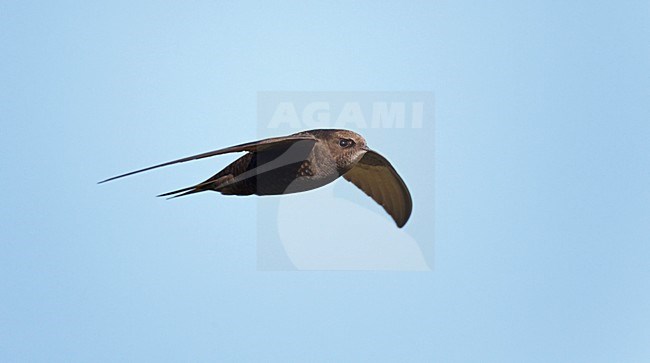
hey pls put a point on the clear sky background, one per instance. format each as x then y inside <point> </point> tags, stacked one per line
<point>542,181</point>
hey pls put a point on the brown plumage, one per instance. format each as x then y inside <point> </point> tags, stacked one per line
<point>301,162</point>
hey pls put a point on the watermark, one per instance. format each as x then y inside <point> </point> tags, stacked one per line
<point>337,226</point>
<point>320,114</point>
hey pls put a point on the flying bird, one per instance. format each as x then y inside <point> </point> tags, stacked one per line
<point>303,161</point>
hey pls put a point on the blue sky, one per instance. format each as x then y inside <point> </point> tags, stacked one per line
<point>542,167</point>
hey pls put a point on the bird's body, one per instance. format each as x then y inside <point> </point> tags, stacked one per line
<point>290,168</point>
<point>304,161</point>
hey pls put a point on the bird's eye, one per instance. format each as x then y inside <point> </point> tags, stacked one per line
<point>346,143</point>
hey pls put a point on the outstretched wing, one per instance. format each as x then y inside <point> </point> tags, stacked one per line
<point>249,146</point>
<point>376,177</point>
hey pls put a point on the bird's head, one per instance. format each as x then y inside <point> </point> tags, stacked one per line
<point>347,147</point>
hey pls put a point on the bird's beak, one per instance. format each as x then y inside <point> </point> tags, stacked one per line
<point>365,148</point>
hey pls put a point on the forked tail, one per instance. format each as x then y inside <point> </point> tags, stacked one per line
<point>206,185</point>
